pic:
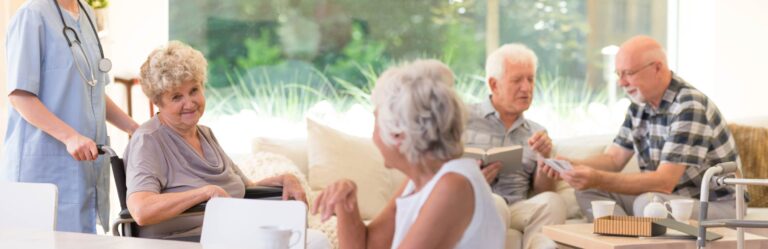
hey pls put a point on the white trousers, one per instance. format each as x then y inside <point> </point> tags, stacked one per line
<point>529,216</point>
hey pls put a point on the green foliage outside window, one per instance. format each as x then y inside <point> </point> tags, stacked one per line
<point>98,4</point>
<point>279,58</point>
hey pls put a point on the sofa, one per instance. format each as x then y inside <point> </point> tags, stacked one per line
<point>327,154</point>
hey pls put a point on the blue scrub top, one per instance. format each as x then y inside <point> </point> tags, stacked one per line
<point>41,62</point>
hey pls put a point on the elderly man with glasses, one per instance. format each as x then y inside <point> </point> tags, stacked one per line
<point>676,131</point>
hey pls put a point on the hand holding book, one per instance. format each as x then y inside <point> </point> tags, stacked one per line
<point>510,157</point>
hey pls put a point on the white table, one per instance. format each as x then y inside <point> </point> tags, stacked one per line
<point>21,239</point>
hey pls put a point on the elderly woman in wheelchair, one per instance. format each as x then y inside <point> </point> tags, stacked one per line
<point>172,163</point>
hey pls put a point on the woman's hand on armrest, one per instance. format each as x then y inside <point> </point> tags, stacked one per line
<point>292,188</point>
<point>151,208</point>
<point>211,191</point>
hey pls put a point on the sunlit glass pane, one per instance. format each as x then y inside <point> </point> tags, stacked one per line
<point>288,59</point>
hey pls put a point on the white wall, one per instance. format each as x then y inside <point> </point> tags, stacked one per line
<point>742,42</point>
<point>696,44</point>
<point>722,47</point>
<point>136,28</point>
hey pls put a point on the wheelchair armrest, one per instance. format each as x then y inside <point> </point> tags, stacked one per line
<point>258,192</point>
<point>124,214</point>
<point>261,192</point>
<point>199,208</point>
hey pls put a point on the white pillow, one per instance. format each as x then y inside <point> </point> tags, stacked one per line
<point>582,147</point>
<point>334,155</point>
<point>294,149</point>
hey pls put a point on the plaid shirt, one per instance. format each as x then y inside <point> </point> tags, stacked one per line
<point>485,130</point>
<point>687,129</point>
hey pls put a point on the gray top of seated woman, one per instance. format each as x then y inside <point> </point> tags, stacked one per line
<point>158,160</point>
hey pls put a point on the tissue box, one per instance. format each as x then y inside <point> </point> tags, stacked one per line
<point>628,226</point>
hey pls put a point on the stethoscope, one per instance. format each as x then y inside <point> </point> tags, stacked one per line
<point>104,64</point>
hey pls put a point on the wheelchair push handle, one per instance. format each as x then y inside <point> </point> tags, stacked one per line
<point>105,150</point>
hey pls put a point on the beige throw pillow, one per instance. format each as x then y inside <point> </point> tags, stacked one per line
<point>294,149</point>
<point>334,155</point>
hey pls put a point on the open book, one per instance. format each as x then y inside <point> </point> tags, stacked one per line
<point>511,157</point>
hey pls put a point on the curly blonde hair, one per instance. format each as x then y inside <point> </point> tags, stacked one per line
<point>169,66</point>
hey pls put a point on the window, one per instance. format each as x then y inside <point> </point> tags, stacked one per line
<point>275,62</point>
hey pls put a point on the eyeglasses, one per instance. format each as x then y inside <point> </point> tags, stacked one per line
<point>623,73</point>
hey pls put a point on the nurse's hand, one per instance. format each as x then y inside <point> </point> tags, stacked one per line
<point>81,148</point>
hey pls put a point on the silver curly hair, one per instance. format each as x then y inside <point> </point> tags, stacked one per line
<point>169,66</point>
<point>417,100</point>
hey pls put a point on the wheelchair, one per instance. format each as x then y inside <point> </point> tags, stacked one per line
<point>126,226</point>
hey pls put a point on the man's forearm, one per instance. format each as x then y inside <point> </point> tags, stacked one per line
<point>604,162</point>
<point>634,183</point>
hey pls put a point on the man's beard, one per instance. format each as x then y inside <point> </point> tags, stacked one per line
<point>637,97</point>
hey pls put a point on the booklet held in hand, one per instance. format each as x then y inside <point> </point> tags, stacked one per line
<point>561,166</point>
<point>511,157</point>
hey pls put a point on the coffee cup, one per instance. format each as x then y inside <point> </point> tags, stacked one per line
<point>272,237</point>
<point>602,208</point>
<point>681,209</point>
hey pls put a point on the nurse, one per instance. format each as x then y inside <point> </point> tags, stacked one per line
<point>59,109</point>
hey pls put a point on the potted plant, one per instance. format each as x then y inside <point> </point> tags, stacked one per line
<point>100,6</point>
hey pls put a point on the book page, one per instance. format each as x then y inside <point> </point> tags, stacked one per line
<point>475,153</point>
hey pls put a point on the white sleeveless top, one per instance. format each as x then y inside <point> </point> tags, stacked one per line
<point>486,230</point>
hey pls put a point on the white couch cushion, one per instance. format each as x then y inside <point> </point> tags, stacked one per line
<point>294,149</point>
<point>333,155</point>
<point>586,146</point>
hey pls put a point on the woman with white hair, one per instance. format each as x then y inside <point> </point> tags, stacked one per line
<point>173,163</point>
<point>445,203</point>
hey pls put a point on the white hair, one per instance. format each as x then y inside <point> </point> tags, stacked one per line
<point>514,53</point>
<point>171,65</point>
<point>417,100</point>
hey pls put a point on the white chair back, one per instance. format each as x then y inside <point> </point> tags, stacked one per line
<point>231,222</point>
<point>28,205</point>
